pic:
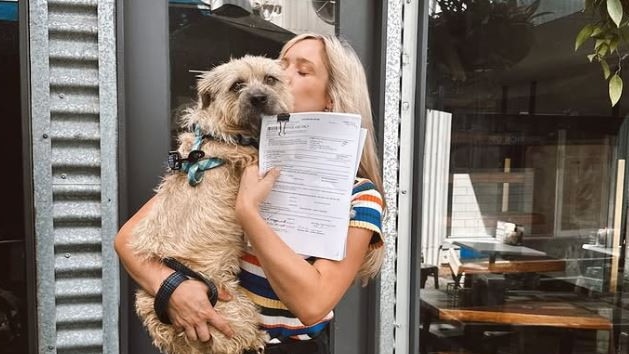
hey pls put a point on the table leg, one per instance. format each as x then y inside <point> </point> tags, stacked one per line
<point>612,343</point>
<point>426,320</point>
<point>566,341</point>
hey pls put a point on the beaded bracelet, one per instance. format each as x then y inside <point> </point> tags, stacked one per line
<point>163,295</point>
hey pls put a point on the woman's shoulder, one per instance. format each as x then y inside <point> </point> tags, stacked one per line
<point>361,184</point>
<point>365,190</point>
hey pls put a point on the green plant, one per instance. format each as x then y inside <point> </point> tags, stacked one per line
<point>609,30</point>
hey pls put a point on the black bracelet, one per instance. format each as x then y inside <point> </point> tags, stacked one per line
<point>212,292</point>
<point>163,295</point>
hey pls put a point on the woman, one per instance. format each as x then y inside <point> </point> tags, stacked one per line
<point>324,74</point>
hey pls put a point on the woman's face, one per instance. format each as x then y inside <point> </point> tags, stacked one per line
<point>307,76</point>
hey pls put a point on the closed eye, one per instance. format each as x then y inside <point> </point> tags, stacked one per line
<point>237,86</point>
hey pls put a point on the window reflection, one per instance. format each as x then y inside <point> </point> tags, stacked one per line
<point>525,187</point>
<point>204,34</point>
<point>13,326</point>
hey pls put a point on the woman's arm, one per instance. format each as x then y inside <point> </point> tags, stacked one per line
<point>189,308</point>
<point>309,291</point>
<point>148,274</point>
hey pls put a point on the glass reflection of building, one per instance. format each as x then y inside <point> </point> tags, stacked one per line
<point>520,130</point>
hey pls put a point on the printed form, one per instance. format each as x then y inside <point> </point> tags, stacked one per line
<point>318,155</point>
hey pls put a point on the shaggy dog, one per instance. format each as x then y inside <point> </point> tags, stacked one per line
<point>193,218</point>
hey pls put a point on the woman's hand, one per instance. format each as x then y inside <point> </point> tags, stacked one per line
<point>190,311</point>
<point>254,189</point>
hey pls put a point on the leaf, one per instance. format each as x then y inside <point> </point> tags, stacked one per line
<point>583,35</point>
<point>605,67</point>
<point>591,57</point>
<point>614,8</point>
<point>597,31</point>
<point>615,89</point>
<point>613,45</point>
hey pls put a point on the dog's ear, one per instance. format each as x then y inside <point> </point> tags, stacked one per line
<point>205,89</point>
<point>205,98</point>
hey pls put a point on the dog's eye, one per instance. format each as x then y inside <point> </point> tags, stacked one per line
<point>238,86</point>
<point>270,80</point>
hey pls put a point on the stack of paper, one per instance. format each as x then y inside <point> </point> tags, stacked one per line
<point>318,154</point>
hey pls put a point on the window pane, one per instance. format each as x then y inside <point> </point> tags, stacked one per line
<point>203,36</point>
<point>13,325</point>
<point>526,158</point>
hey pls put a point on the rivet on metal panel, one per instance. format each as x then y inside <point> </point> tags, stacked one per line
<point>62,96</point>
<point>67,255</point>
<point>64,176</point>
<point>405,59</point>
<point>50,347</point>
<point>405,106</point>
<point>403,191</point>
<point>45,136</point>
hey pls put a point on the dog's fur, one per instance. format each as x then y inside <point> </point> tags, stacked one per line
<point>197,224</point>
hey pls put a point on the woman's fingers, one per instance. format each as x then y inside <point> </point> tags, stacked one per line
<point>254,188</point>
<point>219,323</point>
<point>191,333</point>
<point>189,308</point>
<point>203,332</point>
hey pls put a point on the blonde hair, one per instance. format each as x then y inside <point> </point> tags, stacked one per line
<point>348,90</point>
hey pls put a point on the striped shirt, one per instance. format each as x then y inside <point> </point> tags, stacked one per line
<point>276,319</point>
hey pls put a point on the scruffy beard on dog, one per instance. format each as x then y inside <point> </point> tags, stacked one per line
<point>197,224</point>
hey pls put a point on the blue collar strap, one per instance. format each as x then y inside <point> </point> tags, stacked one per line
<point>195,170</point>
<point>195,163</point>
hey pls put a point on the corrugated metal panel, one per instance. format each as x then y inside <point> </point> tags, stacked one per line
<point>435,188</point>
<point>74,120</point>
<point>390,162</point>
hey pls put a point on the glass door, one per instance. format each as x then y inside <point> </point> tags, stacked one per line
<point>526,164</point>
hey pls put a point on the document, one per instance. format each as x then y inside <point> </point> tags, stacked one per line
<point>318,154</point>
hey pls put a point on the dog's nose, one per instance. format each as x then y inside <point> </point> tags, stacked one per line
<point>258,100</point>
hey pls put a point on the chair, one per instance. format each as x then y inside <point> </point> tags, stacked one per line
<point>427,270</point>
<point>455,264</point>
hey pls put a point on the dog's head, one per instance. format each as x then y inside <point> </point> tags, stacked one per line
<point>233,96</point>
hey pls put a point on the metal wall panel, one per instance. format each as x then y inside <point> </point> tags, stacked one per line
<point>390,162</point>
<point>434,210</point>
<point>74,120</point>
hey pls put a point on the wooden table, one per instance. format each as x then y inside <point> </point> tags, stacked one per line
<point>538,265</point>
<point>545,309</point>
<point>531,264</point>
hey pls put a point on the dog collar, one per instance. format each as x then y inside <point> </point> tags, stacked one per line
<point>195,164</point>
<point>239,139</point>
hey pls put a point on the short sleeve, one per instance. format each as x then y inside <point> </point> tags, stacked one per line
<point>367,205</point>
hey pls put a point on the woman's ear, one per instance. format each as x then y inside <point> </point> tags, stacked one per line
<point>329,105</point>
